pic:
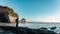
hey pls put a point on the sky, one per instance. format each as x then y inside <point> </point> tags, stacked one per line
<point>35,10</point>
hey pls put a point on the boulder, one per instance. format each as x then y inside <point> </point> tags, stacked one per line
<point>7,15</point>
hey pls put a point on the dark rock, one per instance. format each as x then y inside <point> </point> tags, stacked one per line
<point>6,13</point>
<point>53,28</point>
<point>23,30</point>
<point>43,28</point>
<point>36,31</point>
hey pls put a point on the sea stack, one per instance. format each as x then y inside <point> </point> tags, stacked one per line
<point>23,20</point>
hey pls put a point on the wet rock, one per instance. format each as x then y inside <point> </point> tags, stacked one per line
<point>53,28</point>
<point>43,28</point>
<point>23,30</point>
<point>36,31</point>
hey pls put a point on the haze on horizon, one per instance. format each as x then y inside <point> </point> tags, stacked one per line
<point>35,10</point>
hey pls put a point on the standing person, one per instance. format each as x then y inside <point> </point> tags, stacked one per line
<point>17,22</point>
<point>17,26</point>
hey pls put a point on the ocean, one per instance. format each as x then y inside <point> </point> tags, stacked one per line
<point>41,25</point>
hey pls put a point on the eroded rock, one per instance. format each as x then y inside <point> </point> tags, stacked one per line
<point>7,15</point>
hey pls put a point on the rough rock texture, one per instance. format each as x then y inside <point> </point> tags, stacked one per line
<point>7,15</point>
<point>24,30</point>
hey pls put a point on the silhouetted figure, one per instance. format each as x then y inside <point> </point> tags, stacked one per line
<point>17,22</point>
<point>17,25</point>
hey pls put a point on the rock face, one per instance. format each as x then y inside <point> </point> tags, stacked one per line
<point>23,20</point>
<point>7,15</point>
<point>24,30</point>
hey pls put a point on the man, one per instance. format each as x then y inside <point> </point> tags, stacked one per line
<point>17,26</point>
<point>17,22</point>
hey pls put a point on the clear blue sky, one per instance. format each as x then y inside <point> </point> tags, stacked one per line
<point>34,10</point>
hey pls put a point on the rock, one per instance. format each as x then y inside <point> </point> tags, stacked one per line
<point>35,31</point>
<point>23,20</point>
<point>7,15</point>
<point>53,28</point>
<point>43,28</point>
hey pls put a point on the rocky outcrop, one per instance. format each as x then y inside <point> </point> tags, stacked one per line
<point>7,15</point>
<point>24,30</point>
<point>23,20</point>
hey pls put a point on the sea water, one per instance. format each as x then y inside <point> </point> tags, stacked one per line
<point>41,25</point>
